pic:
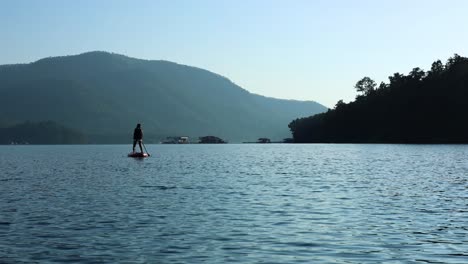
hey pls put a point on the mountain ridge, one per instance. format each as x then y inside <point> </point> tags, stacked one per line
<point>102,93</point>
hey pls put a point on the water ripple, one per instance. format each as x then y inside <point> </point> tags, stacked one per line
<point>235,203</point>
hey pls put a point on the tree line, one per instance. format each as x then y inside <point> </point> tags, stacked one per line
<point>420,107</point>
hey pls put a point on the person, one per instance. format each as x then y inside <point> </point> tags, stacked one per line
<point>138,137</point>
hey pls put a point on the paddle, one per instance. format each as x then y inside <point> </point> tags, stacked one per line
<point>145,149</point>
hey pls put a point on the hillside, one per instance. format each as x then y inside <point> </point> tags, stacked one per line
<point>104,95</point>
<point>421,107</point>
<point>40,133</point>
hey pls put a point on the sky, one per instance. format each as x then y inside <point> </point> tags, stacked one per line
<point>297,49</point>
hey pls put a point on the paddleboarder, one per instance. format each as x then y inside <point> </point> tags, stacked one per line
<point>138,137</point>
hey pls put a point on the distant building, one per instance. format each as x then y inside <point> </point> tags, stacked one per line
<point>183,140</point>
<point>176,140</point>
<point>264,140</point>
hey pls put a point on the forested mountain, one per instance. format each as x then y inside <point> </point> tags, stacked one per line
<point>421,107</point>
<point>46,132</point>
<point>104,95</point>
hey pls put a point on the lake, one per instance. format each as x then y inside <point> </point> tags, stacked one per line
<point>244,203</point>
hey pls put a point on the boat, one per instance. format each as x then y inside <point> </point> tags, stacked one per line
<point>138,155</point>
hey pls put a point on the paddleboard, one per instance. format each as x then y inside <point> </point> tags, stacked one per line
<point>138,155</point>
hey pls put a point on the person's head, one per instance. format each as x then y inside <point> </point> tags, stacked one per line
<point>138,125</point>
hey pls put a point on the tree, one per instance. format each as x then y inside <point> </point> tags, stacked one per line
<point>453,60</point>
<point>339,104</point>
<point>396,79</point>
<point>366,86</point>
<point>437,68</point>
<point>211,140</point>
<point>382,85</point>
<point>417,74</point>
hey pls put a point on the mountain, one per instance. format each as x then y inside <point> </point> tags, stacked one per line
<point>47,132</point>
<point>421,107</point>
<point>104,95</point>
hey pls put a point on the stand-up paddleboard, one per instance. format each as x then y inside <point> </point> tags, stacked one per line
<point>138,155</point>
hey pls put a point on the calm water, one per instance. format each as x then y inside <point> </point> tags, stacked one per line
<point>234,203</point>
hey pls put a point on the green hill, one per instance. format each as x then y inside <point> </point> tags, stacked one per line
<point>421,107</point>
<point>40,133</point>
<point>104,95</point>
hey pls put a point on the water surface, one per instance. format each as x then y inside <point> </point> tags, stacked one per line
<point>235,203</point>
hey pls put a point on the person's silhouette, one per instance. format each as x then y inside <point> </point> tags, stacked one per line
<point>138,137</point>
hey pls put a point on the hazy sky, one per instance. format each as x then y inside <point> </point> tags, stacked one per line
<point>305,50</point>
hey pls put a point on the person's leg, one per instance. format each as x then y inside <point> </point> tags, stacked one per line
<point>134,144</point>
<point>141,147</point>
